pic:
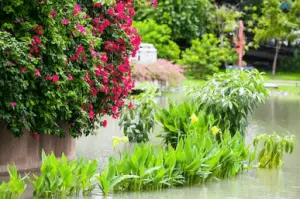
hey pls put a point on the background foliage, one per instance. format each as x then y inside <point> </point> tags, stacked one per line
<point>160,37</point>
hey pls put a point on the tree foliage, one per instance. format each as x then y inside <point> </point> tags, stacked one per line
<point>160,37</point>
<point>206,56</point>
<point>278,24</point>
<point>187,19</point>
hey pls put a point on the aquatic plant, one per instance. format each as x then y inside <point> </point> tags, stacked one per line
<point>178,119</point>
<point>15,187</point>
<point>230,97</point>
<point>138,117</point>
<point>197,158</point>
<point>273,149</point>
<point>60,178</point>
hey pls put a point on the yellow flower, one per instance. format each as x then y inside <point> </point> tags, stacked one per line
<point>215,130</point>
<point>194,118</point>
<point>117,140</point>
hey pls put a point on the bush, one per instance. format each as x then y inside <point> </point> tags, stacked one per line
<point>162,70</point>
<point>205,56</point>
<point>230,98</point>
<point>160,37</point>
<point>138,117</point>
<point>60,63</point>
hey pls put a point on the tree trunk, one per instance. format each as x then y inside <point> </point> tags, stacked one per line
<point>278,46</point>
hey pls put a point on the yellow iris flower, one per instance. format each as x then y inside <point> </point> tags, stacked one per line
<point>194,118</point>
<point>215,130</point>
<point>117,140</point>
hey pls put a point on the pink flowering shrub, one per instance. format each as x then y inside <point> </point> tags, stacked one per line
<point>61,61</point>
<point>162,70</point>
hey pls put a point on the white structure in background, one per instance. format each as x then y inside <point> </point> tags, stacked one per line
<point>147,54</point>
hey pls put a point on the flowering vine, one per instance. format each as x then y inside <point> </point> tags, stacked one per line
<point>68,62</point>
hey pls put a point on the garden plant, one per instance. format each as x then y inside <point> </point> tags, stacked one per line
<point>64,60</point>
<point>138,117</point>
<point>15,187</point>
<point>230,97</point>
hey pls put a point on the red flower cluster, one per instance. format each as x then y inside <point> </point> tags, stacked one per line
<point>36,39</point>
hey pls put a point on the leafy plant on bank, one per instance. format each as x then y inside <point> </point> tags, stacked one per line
<point>198,158</point>
<point>230,97</point>
<point>138,118</point>
<point>15,187</point>
<point>205,56</point>
<point>273,149</point>
<point>179,119</point>
<point>60,178</point>
<point>61,61</point>
<point>160,37</point>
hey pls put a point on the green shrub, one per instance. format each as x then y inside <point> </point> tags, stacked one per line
<point>15,187</point>
<point>205,56</point>
<point>60,178</point>
<point>290,64</point>
<point>179,119</point>
<point>231,97</point>
<point>274,146</point>
<point>160,37</point>
<point>198,158</point>
<point>138,117</point>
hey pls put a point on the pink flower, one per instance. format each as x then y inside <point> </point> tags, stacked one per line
<point>55,78</point>
<point>92,114</point>
<point>97,5</point>
<point>104,57</point>
<point>23,69</point>
<point>13,104</point>
<point>81,29</point>
<point>53,13</point>
<point>131,12</point>
<point>37,73</point>
<point>130,106</point>
<point>65,21</point>
<point>76,10</point>
<point>104,123</point>
<point>70,77</point>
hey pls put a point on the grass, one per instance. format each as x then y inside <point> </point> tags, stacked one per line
<point>192,82</point>
<point>283,76</point>
<point>287,82</point>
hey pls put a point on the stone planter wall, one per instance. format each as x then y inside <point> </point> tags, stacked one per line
<point>25,152</point>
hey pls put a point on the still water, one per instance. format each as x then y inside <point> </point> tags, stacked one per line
<point>279,115</point>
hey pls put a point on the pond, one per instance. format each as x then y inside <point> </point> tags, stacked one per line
<point>276,115</point>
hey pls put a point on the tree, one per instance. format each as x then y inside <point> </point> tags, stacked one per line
<point>187,19</point>
<point>224,20</point>
<point>278,24</point>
